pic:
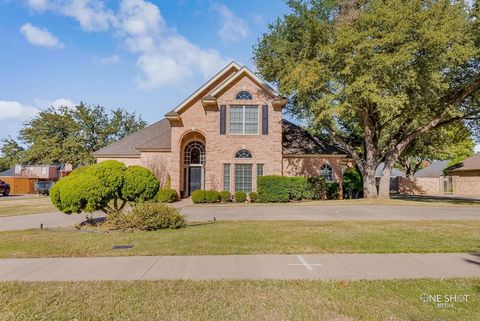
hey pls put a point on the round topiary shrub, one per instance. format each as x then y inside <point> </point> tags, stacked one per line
<point>240,197</point>
<point>167,196</point>
<point>225,196</point>
<point>253,196</point>
<point>199,196</point>
<point>140,184</point>
<point>212,196</point>
<point>100,186</point>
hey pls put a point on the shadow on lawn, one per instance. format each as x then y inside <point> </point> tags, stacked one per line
<point>438,199</point>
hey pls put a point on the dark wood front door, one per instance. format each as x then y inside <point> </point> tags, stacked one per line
<point>194,179</point>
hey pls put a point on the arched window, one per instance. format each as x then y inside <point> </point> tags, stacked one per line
<point>194,153</point>
<point>326,172</point>
<point>244,95</point>
<point>243,153</point>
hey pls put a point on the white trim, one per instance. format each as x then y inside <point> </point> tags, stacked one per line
<point>208,83</point>
<point>242,71</point>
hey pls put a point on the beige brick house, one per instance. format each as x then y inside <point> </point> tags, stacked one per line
<point>225,135</point>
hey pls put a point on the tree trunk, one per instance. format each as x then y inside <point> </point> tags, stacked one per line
<point>369,183</point>
<point>384,187</point>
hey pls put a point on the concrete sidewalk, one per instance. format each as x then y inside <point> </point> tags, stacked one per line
<point>283,267</point>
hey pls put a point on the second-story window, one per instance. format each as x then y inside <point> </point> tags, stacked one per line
<point>244,120</point>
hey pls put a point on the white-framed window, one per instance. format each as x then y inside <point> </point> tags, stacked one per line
<point>326,172</point>
<point>226,177</point>
<point>259,170</point>
<point>244,95</point>
<point>44,170</point>
<point>244,120</point>
<point>243,153</point>
<point>243,178</point>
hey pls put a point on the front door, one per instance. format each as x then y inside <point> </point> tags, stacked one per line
<point>194,179</point>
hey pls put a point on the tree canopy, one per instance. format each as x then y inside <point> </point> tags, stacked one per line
<point>68,135</point>
<point>376,74</point>
<point>95,187</point>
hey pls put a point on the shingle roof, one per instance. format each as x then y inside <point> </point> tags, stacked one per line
<point>435,169</point>
<point>296,140</point>
<point>469,164</point>
<point>156,136</point>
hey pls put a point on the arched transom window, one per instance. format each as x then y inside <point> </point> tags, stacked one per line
<point>194,153</point>
<point>244,95</point>
<point>243,153</point>
<point>326,172</point>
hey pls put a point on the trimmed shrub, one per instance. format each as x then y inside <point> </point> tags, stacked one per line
<point>146,217</point>
<point>167,196</point>
<point>212,196</point>
<point>253,196</point>
<point>332,190</point>
<point>140,184</point>
<point>278,189</point>
<point>273,189</point>
<point>199,196</point>
<point>240,197</point>
<point>225,196</point>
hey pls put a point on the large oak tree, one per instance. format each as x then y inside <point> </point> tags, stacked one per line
<point>376,74</point>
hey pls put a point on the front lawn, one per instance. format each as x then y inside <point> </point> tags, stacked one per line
<point>251,238</point>
<point>19,205</point>
<point>238,300</point>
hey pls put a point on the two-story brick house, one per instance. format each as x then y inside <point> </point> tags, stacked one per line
<point>225,135</point>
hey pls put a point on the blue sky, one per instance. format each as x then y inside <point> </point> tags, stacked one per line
<point>144,56</point>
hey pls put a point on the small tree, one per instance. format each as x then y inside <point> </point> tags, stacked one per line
<point>99,188</point>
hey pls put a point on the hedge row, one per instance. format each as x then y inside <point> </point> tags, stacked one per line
<point>282,189</point>
<point>203,196</point>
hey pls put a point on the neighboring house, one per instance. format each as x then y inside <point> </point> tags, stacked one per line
<point>465,176</point>
<point>225,135</point>
<point>430,180</point>
<point>462,179</point>
<point>22,178</point>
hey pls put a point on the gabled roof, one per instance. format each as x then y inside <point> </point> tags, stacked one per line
<point>469,164</point>
<point>298,141</point>
<point>231,67</point>
<point>236,76</point>
<point>154,137</point>
<point>435,169</point>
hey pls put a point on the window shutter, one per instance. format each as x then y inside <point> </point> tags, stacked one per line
<point>223,119</point>
<point>264,120</point>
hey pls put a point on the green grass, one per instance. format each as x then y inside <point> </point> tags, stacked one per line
<point>251,238</point>
<point>237,300</point>
<point>16,205</point>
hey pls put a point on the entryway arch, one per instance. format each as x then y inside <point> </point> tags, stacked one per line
<point>193,162</point>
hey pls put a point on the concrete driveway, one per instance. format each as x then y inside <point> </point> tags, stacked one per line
<point>293,212</point>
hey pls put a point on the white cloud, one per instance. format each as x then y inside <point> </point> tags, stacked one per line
<point>233,28</point>
<point>15,111</point>
<point>108,60</point>
<point>164,56</point>
<point>91,14</point>
<point>40,36</point>
<point>59,102</point>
